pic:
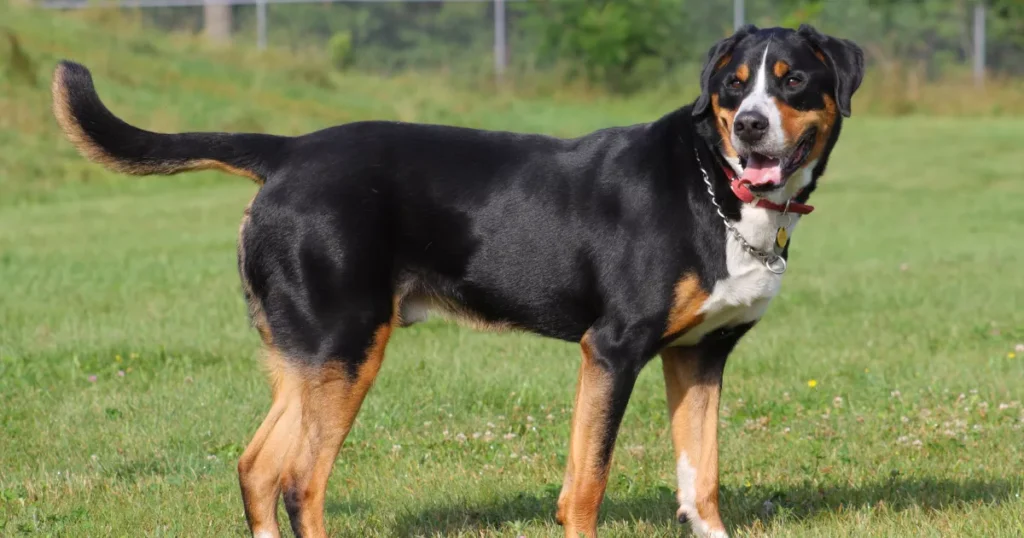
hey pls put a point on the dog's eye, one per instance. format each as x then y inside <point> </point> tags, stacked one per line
<point>793,82</point>
<point>735,84</point>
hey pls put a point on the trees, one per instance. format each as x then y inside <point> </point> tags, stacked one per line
<point>627,44</point>
<point>621,43</point>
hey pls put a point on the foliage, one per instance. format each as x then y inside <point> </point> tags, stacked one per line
<point>628,44</point>
<point>926,35</point>
<point>621,43</point>
<point>14,63</point>
<point>1006,26</point>
<point>389,37</point>
<point>339,49</point>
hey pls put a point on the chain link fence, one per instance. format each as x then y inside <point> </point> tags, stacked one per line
<point>928,38</point>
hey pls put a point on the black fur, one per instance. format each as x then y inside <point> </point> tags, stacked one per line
<point>144,152</point>
<point>715,55</point>
<point>560,237</point>
<point>839,76</point>
<point>553,236</point>
<point>846,62</point>
<point>549,235</point>
<point>556,237</point>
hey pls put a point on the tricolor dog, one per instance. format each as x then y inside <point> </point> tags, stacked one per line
<point>668,238</point>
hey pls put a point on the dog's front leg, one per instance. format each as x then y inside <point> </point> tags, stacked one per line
<point>611,363</point>
<point>693,385</point>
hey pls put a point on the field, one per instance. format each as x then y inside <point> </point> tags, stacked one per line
<point>881,395</point>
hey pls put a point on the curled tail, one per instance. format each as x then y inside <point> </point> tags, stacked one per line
<point>104,138</point>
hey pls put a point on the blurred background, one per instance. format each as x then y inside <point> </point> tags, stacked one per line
<point>922,51</point>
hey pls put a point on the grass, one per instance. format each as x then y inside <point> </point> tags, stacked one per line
<point>902,307</point>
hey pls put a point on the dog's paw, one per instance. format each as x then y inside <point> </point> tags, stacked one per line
<point>698,526</point>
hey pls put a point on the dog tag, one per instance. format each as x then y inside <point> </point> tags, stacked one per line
<point>781,238</point>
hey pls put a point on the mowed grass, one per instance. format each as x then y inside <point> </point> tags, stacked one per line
<point>902,307</point>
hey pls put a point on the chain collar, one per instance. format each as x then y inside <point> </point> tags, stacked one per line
<point>773,262</point>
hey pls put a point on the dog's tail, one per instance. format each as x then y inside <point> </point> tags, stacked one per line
<point>104,138</point>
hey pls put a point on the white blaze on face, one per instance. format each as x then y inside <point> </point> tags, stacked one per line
<point>774,141</point>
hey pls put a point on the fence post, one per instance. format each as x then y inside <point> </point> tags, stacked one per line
<point>737,14</point>
<point>500,54</point>
<point>217,20</point>
<point>979,43</point>
<point>261,24</point>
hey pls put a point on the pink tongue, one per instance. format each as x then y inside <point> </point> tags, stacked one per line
<point>761,170</point>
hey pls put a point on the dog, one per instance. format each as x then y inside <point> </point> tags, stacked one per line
<point>667,238</point>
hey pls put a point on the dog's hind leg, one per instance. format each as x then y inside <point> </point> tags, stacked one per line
<point>260,467</point>
<point>293,452</point>
<point>331,400</point>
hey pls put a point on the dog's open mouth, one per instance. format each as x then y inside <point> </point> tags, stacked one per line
<point>765,173</point>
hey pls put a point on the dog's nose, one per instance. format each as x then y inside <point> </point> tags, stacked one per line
<point>750,126</point>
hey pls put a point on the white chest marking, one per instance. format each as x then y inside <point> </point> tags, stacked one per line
<point>744,295</point>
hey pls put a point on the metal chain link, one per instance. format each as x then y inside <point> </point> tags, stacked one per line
<point>774,262</point>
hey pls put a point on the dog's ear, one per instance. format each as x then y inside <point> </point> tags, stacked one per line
<point>845,59</point>
<point>718,52</point>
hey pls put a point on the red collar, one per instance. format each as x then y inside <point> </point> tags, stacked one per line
<point>742,191</point>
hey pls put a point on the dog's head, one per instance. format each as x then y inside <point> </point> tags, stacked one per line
<point>776,96</point>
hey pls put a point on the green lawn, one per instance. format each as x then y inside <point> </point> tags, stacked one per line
<point>902,306</point>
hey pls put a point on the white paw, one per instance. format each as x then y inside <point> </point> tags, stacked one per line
<point>699,527</point>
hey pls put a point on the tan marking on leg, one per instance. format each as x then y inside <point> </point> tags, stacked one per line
<point>331,399</point>
<point>780,68</point>
<point>294,449</point>
<point>583,493</point>
<point>261,465</point>
<point>743,72</point>
<point>693,403</point>
<point>796,122</point>
<point>725,118</point>
<point>689,297</point>
<point>565,494</point>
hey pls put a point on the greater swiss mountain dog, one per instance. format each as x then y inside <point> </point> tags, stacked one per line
<point>663,238</point>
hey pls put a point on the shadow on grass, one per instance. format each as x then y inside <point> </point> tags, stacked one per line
<point>654,505</point>
<point>740,508</point>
